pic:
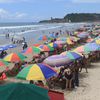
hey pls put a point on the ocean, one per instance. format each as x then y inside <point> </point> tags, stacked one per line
<point>32,30</point>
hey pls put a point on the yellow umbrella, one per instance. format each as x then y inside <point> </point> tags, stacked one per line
<point>98,41</point>
<point>69,41</point>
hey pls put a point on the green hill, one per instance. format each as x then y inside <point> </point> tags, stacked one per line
<point>75,17</point>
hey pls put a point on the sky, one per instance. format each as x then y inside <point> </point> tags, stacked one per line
<point>36,10</point>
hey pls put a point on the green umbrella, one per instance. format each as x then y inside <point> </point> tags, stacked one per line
<point>82,49</point>
<point>46,48</point>
<point>72,55</point>
<point>19,91</point>
<point>33,49</point>
<point>15,57</point>
<point>3,63</point>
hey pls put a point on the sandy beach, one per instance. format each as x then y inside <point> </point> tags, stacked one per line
<point>89,88</point>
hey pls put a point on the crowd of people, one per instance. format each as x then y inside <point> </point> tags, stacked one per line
<point>68,75</point>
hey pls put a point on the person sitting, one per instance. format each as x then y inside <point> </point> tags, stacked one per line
<point>40,83</point>
<point>31,82</point>
<point>60,75</point>
<point>3,54</point>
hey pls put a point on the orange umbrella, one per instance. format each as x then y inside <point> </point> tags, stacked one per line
<point>36,45</point>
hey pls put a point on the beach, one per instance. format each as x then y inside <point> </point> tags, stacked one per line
<point>34,31</point>
<point>89,88</point>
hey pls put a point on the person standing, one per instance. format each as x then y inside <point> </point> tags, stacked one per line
<point>76,74</point>
<point>25,46</point>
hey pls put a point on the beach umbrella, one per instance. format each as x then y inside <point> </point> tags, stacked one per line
<point>89,40</point>
<point>82,49</point>
<point>83,35</point>
<point>92,47</point>
<point>20,91</point>
<point>62,39</point>
<point>3,48</point>
<point>15,57</point>
<point>60,42</point>
<point>36,45</point>
<point>73,38</point>
<point>46,48</point>
<point>37,72</point>
<point>52,36</point>
<point>54,45</point>
<point>11,46</point>
<point>57,60</point>
<point>97,41</point>
<point>72,55</point>
<point>44,38</point>
<point>69,41</point>
<point>3,63</point>
<point>33,50</point>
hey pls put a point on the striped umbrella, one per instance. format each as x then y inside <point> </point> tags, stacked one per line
<point>92,47</point>
<point>69,41</point>
<point>44,38</point>
<point>97,41</point>
<point>33,50</point>
<point>54,45</point>
<point>37,72</point>
<point>89,40</point>
<point>36,45</point>
<point>72,55</point>
<point>46,48</point>
<point>57,60</point>
<point>62,39</point>
<point>60,42</point>
<point>73,38</point>
<point>15,57</point>
<point>81,49</point>
<point>3,63</point>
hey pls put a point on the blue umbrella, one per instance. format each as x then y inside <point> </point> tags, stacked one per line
<point>83,35</point>
<point>3,48</point>
<point>11,46</point>
<point>52,36</point>
<point>23,51</point>
<point>72,55</point>
<point>93,46</point>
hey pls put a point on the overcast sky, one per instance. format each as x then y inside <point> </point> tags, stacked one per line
<point>35,10</point>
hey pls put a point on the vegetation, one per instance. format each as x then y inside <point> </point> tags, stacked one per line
<point>75,17</point>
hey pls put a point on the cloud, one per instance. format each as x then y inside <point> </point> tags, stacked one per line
<point>86,1</point>
<point>6,15</point>
<point>12,1</point>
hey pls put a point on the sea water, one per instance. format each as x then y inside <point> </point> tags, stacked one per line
<point>32,30</point>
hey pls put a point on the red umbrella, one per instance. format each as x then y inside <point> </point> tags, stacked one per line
<point>36,45</point>
<point>46,48</point>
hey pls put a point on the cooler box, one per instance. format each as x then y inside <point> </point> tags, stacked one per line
<point>55,95</point>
